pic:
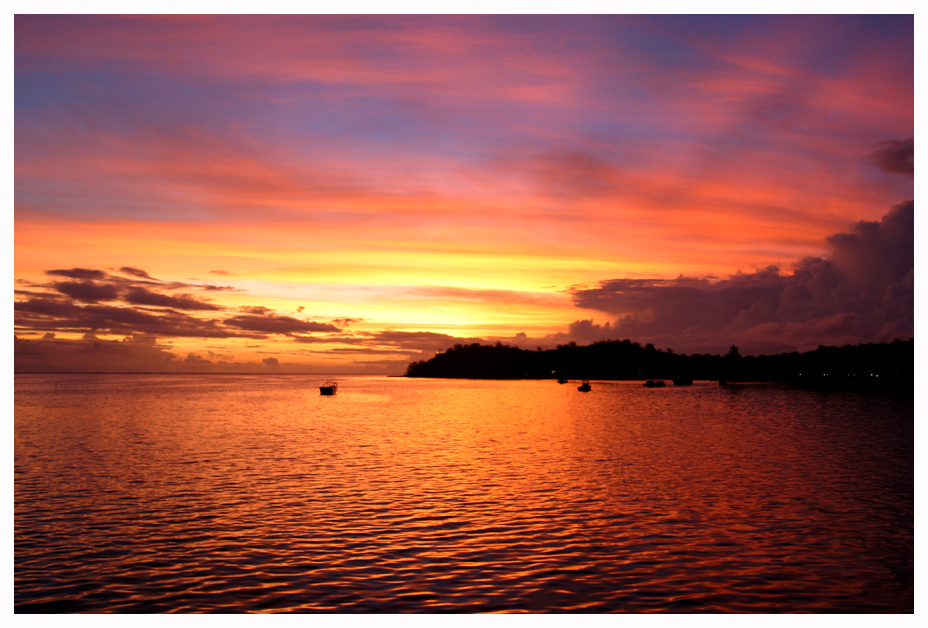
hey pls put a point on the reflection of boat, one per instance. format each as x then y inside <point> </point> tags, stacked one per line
<point>585,386</point>
<point>682,381</point>
<point>654,384</point>
<point>328,388</point>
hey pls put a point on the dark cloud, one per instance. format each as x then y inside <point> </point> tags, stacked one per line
<point>97,302</point>
<point>87,291</point>
<point>862,292</point>
<point>96,286</point>
<point>136,272</point>
<point>344,322</point>
<point>78,273</point>
<point>91,354</point>
<point>89,279</point>
<point>143,309</point>
<point>57,314</point>
<point>896,157</point>
<point>143,296</point>
<point>132,354</point>
<point>873,255</point>
<point>212,288</point>
<point>284,325</point>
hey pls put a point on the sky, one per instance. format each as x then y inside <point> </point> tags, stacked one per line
<point>346,194</point>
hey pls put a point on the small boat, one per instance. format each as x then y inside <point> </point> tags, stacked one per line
<point>561,380</point>
<point>654,384</point>
<point>585,386</point>
<point>328,388</point>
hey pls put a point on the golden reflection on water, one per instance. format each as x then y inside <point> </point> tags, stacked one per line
<point>245,493</point>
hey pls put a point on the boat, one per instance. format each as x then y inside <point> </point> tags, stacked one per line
<point>561,380</point>
<point>654,384</point>
<point>328,388</point>
<point>585,386</point>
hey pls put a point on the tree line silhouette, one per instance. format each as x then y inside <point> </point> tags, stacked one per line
<point>624,359</point>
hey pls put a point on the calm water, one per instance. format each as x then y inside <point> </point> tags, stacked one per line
<point>173,493</point>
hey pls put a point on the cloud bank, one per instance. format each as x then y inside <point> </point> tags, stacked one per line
<point>862,292</point>
<point>96,301</point>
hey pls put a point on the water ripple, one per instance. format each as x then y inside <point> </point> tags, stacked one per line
<point>142,494</point>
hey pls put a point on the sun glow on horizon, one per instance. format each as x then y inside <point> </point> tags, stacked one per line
<point>365,189</point>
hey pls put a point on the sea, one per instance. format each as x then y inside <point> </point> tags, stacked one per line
<point>256,494</point>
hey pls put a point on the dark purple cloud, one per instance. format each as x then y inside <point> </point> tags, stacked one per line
<point>98,302</point>
<point>136,272</point>
<point>873,255</point>
<point>284,325</point>
<point>133,354</point>
<point>212,288</point>
<point>260,310</point>
<point>344,322</point>
<point>87,291</point>
<point>78,273</point>
<point>143,296</point>
<point>90,354</point>
<point>896,157</point>
<point>144,310</point>
<point>862,292</point>
<point>56,314</point>
<point>94,286</point>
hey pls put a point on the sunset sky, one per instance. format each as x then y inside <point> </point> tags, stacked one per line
<point>350,193</point>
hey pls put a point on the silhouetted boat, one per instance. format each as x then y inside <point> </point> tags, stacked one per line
<point>584,387</point>
<point>654,384</point>
<point>561,380</point>
<point>328,388</point>
<point>682,381</point>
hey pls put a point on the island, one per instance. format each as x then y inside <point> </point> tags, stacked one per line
<point>892,362</point>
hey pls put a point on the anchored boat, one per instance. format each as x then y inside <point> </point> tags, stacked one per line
<point>328,388</point>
